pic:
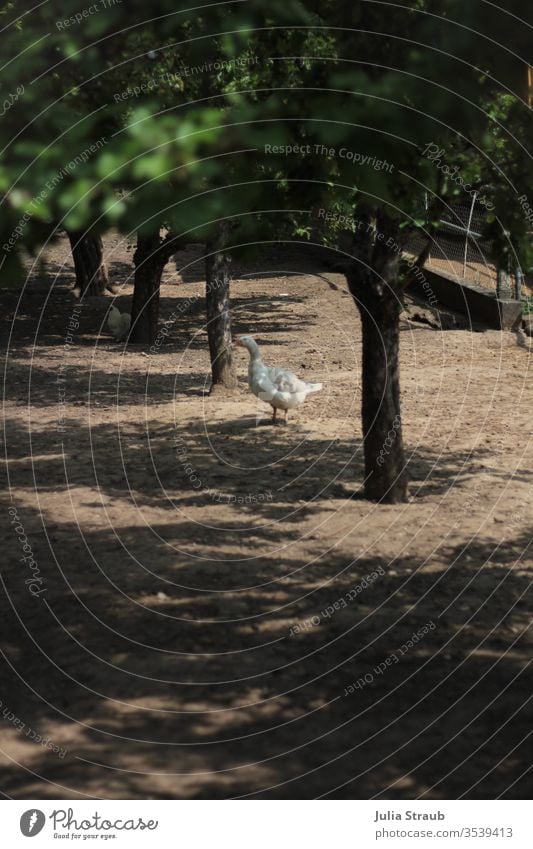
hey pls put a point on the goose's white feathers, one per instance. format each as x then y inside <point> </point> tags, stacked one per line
<point>523,340</point>
<point>118,323</point>
<point>278,386</point>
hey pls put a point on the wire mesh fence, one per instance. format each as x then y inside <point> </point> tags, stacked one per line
<point>459,250</point>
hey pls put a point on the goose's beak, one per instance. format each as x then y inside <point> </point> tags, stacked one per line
<point>236,343</point>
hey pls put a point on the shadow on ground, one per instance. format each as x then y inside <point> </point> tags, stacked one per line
<point>209,661</point>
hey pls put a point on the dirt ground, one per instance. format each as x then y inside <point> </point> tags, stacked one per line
<point>207,607</point>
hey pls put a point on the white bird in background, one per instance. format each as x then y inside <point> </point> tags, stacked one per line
<point>278,386</point>
<point>118,323</point>
<point>523,340</point>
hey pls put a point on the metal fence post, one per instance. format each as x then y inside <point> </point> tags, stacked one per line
<point>465,260</point>
<point>426,205</point>
<point>519,280</point>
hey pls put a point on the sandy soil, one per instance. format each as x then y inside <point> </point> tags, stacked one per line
<point>202,603</point>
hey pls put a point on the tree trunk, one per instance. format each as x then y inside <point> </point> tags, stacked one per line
<point>217,278</point>
<point>385,472</point>
<point>372,277</point>
<point>88,255</point>
<point>149,264</point>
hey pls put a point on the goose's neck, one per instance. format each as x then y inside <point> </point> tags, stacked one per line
<point>253,350</point>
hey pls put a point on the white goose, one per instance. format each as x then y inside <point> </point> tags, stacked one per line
<point>118,323</point>
<point>278,386</point>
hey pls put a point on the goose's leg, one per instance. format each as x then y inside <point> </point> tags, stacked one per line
<point>286,416</point>
<point>274,415</point>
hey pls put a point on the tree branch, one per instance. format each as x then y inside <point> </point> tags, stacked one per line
<point>170,245</point>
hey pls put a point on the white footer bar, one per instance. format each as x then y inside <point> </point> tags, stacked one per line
<point>267,824</point>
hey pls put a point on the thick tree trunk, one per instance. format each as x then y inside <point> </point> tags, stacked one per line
<point>218,310</point>
<point>385,472</point>
<point>88,255</point>
<point>149,264</point>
